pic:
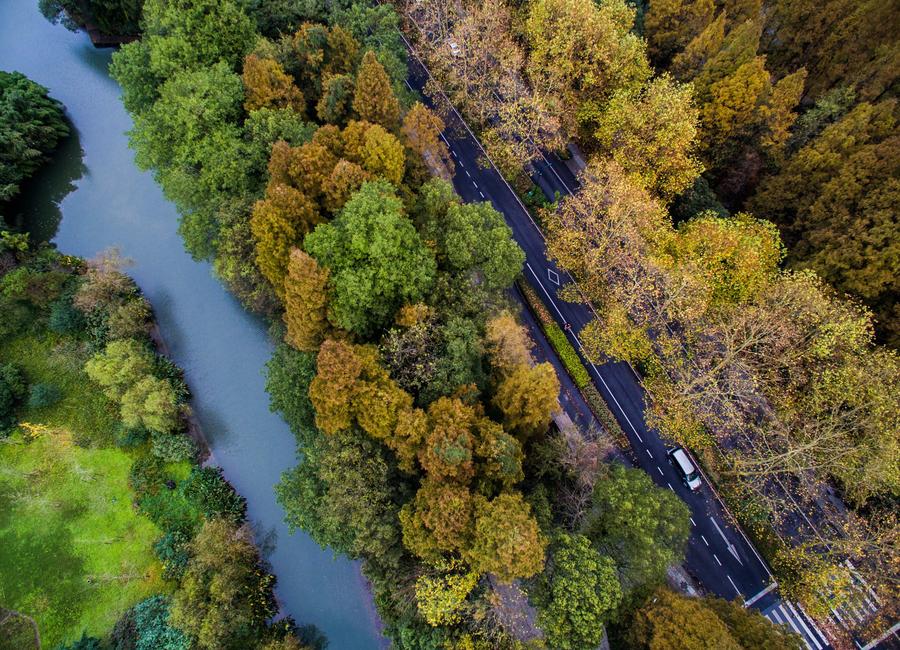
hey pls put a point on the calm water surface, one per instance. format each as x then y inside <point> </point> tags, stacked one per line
<point>92,198</point>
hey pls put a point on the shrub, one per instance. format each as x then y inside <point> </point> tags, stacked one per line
<point>12,392</point>
<point>147,476</point>
<point>170,510</point>
<point>64,318</point>
<point>601,411</point>
<point>172,550</point>
<point>146,627</point>
<point>43,395</point>
<point>208,490</point>
<point>172,447</point>
<point>131,436</point>
<point>131,319</point>
<point>567,355</point>
<point>165,368</point>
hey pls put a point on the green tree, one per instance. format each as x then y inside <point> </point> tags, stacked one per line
<point>191,34</point>
<point>507,542</point>
<point>375,257</point>
<point>577,594</point>
<point>191,139</point>
<point>225,597</point>
<point>337,95</point>
<point>642,527</point>
<point>121,365</point>
<point>31,125</point>
<point>151,403</point>
<point>110,16</point>
<point>471,239</point>
<point>344,494</point>
<point>288,375</point>
<point>653,135</point>
<point>305,302</point>
<point>373,98</point>
<point>146,627</point>
<point>12,392</point>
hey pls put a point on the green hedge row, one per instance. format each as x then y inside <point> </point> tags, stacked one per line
<point>567,355</point>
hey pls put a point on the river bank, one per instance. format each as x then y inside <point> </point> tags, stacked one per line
<point>97,199</point>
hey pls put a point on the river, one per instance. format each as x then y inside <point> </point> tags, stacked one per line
<point>92,197</point>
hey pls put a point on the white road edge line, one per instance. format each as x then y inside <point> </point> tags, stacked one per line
<point>734,585</point>
<point>605,385</point>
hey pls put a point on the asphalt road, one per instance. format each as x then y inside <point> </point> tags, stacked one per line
<point>718,556</point>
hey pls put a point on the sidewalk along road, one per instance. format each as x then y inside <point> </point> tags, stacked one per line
<point>718,555</point>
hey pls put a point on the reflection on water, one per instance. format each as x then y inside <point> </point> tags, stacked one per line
<point>36,210</point>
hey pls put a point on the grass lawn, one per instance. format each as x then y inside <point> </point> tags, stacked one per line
<point>74,554</point>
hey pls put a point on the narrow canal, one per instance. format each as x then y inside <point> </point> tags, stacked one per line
<point>93,197</point>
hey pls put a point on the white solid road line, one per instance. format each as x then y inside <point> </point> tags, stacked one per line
<point>597,372</point>
<point>734,585</point>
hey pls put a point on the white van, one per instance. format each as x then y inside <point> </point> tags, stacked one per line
<point>680,460</point>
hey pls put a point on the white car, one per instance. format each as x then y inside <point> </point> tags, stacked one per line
<point>680,460</point>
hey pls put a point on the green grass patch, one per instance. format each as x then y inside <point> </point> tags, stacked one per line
<point>74,552</point>
<point>58,360</point>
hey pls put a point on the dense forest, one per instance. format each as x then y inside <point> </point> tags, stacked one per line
<point>741,182</point>
<point>316,183</point>
<point>741,179</point>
